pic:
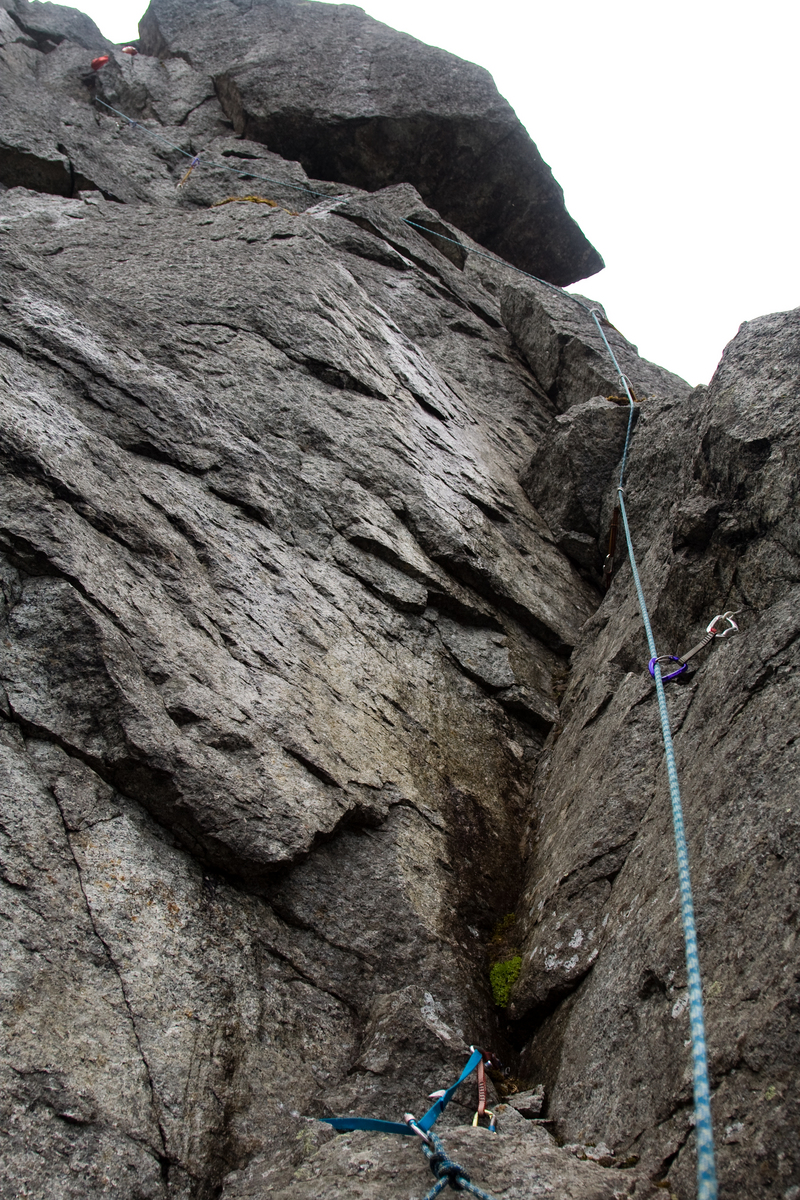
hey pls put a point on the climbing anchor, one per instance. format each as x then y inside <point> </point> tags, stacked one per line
<point>447,1173</point>
<point>712,632</point>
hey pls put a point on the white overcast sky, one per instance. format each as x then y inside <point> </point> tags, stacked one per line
<point>673,130</point>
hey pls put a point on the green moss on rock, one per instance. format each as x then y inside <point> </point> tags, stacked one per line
<point>502,977</point>
<point>503,927</point>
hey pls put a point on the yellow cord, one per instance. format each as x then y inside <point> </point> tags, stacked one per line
<point>254,200</point>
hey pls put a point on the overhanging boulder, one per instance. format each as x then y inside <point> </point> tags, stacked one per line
<point>358,102</point>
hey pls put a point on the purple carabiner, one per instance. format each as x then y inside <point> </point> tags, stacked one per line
<point>666,658</point>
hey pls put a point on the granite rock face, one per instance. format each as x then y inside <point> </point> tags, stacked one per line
<point>567,478</point>
<point>305,688</point>
<point>522,1161</point>
<point>281,645</point>
<point>566,352</point>
<point>712,492</point>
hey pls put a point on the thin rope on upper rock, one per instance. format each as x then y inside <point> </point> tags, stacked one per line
<point>197,160</point>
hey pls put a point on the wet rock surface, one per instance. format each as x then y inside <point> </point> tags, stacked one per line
<point>310,706</point>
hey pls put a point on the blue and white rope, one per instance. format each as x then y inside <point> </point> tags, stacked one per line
<point>449,1173</point>
<point>706,1170</point>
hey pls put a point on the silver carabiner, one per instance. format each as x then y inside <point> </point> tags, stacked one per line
<point>412,1124</point>
<point>726,616</point>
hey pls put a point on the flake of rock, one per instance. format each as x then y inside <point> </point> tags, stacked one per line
<point>571,472</point>
<point>601,1154</point>
<point>566,352</point>
<point>529,1103</point>
<point>48,25</point>
<point>481,652</point>
<point>530,704</point>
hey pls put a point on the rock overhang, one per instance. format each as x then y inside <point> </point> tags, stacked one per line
<point>359,103</point>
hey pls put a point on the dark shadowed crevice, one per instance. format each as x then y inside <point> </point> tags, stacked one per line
<point>54,176</point>
<point>313,768</point>
<point>23,168</point>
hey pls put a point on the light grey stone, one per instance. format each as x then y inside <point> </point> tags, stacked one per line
<point>566,353</point>
<point>522,1164</point>
<point>227,525</point>
<point>528,1104</point>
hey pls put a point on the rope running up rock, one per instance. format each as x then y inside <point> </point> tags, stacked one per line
<point>706,1170</point>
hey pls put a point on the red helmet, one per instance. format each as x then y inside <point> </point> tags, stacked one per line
<point>97,63</point>
<point>129,50</point>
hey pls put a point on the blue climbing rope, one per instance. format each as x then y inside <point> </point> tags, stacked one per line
<point>706,1170</point>
<point>448,1172</point>
<point>624,380</point>
<point>501,262</point>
